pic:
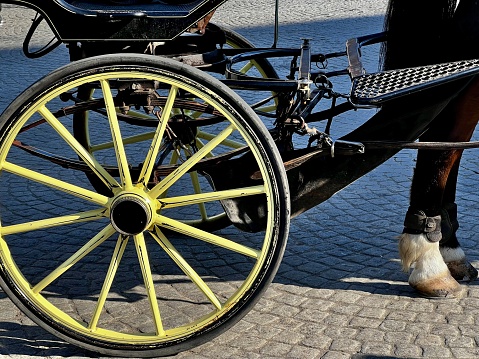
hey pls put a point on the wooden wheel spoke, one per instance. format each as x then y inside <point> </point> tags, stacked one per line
<point>116,135</point>
<point>98,239</point>
<point>228,143</point>
<point>126,141</point>
<point>156,143</point>
<point>185,267</point>
<point>246,67</point>
<point>148,280</point>
<point>271,108</point>
<point>195,181</point>
<point>114,263</point>
<point>210,196</point>
<point>55,183</point>
<point>193,232</point>
<point>105,177</point>
<point>169,180</point>
<point>54,222</point>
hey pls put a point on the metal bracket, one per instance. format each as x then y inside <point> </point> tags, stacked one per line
<point>346,148</point>
<point>353,51</point>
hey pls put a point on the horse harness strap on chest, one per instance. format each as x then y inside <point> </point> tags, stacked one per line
<point>416,222</point>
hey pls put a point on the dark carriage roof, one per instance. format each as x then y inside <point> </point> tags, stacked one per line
<point>154,20</point>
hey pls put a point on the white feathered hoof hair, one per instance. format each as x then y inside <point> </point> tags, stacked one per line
<point>430,275</point>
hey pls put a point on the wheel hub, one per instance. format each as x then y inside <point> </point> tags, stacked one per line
<point>130,214</point>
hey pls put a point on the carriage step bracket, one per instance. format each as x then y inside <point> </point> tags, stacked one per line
<point>377,88</point>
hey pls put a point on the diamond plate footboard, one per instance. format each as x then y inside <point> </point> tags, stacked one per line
<point>377,88</point>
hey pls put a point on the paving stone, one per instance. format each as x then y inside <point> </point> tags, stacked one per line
<point>335,355</point>
<point>367,334</point>
<point>345,345</point>
<point>319,341</point>
<point>301,352</point>
<point>436,352</point>
<point>377,348</point>
<point>365,322</point>
<point>404,350</point>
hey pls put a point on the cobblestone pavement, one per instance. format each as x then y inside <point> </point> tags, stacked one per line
<point>339,292</point>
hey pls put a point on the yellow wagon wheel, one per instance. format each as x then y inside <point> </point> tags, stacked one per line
<point>122,274</point>
<point>207,218</point>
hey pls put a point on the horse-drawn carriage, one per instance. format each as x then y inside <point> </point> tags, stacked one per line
<point>144,183</point>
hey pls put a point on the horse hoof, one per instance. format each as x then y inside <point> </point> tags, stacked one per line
<point>442,287</point>
<point>462,270</point>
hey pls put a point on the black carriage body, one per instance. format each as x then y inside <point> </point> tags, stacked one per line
<point>96,20</point>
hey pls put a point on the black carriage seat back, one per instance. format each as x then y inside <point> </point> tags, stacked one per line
<point>149,8</point>
<point>120,20</point>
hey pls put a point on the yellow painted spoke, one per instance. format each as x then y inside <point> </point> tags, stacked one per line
<point>57,184</point>
<point>126,141</point>
<point>148,279</point>
<point>196,114</point>
<point>78,148</point>
<point>116,135</point>
<point>246,67</point>
<point>177,226</point>
<point>114,263</point>
<point>197,188</point>
<point>185,267</point>
<point>174,158</point>
<point>98,239</point>
<point>169,180</point>
<point>271,108</point>
<point>210,196</point>
<point>173,161</point>
<point>200,145</point>
<point>228,143</point>
<point>156,143</point>
<point>54,222</point>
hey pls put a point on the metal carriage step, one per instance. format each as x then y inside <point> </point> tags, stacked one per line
<point>377,88</point>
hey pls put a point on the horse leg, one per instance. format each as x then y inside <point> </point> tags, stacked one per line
<point>419,243</point>
<point>449,246</point>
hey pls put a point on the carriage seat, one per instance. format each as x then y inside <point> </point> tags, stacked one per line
<point>377,88</point>
<point>120,20</point>
<point>152,8</point>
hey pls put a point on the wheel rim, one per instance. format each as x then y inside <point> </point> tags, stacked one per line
<point>44,297</point>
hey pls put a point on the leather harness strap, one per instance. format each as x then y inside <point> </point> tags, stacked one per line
<point>449,223</point>
<point>416,222</point>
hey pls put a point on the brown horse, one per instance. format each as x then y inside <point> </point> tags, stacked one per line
<point>428,32</point>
